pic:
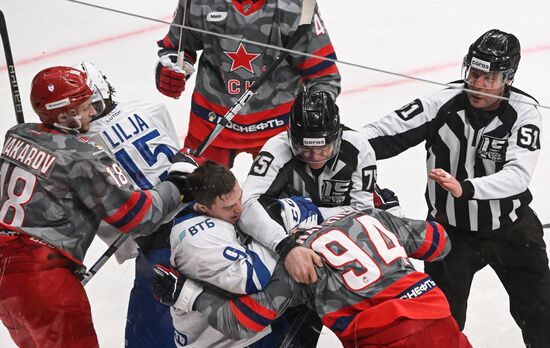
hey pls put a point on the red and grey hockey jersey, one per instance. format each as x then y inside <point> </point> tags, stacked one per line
<point>58,187</point>
<point>227,66</point>
<point>367,280</point>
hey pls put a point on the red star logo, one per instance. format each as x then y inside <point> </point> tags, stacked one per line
<point>241,58</point>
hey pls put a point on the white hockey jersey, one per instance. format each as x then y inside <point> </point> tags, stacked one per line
<point>141,136</point>
<point>210,250</point>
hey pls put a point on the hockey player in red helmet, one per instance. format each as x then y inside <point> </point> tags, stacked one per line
<point>56,189</point>
<point>62,99</point>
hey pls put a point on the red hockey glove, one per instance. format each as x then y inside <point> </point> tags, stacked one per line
<point>186,155</point>
<point>170,79</point>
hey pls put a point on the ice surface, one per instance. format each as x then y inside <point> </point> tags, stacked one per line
<point>425,38</point>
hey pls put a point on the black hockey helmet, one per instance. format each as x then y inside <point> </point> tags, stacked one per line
<point>494,51</point>
<point>314,125</point>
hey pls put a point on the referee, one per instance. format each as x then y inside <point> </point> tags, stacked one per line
<point>481,154</point>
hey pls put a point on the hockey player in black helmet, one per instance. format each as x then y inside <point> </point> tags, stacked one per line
<point>482,151</point>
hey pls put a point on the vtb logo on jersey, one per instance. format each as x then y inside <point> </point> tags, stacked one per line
<point>334,191</point>
<point>493,149</point>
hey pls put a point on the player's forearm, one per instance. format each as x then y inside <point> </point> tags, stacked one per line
<point>256,222</point>
<point>245,316</point>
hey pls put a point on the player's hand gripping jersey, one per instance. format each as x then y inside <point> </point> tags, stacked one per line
<point>367,281</point>
<point>227,67</point>
<point>346,182</point>
<point>210,249</point>
<point>58,187</point>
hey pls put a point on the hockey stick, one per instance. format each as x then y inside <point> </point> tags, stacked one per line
<point>11,70</point>
<point>85,277</point>
<point>180,39</point>
<point>306,17</point>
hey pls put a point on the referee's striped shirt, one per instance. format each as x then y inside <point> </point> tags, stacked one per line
<point>493,154</point>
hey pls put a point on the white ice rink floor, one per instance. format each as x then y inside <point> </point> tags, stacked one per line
<point>423,38</point>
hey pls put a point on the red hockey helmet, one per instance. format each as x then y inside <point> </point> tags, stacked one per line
<point>57,90</point>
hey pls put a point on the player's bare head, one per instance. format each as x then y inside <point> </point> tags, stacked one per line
<point>103,91</point>
<point>62,98</point>
<point>217,192</point>
<point>210,181</point>
<point>315,132</point>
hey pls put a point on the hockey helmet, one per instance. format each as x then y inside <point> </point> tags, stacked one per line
<point>497,55</point>
<point>101,88</point>
<point>58,90</point>
<point>315,132</point>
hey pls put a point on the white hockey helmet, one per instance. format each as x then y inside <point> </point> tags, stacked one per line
<point>97,82</point>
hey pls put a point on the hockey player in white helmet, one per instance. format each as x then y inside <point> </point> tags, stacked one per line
<point>141,136</point>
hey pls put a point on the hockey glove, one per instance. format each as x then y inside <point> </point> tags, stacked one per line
<point>186,155</point>
<point>177,174</point>
<point>385,199</point>
<point>168,284</point>
<point>170,79</point>
<point>299,212</point>
<point>174,289</point>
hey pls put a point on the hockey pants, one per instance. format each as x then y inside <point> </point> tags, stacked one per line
<point>518,256</point>
<point>42,302</point>
<point>149,323</point>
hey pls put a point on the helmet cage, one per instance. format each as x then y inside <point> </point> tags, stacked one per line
<point>101,88</point>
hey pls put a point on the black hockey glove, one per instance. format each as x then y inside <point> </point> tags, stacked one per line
<point>183,164</point>
<point>168,284</point>
<point>385,199</point>
<point>186,155</point>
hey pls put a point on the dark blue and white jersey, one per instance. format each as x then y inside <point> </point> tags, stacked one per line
<point>141,136</point>
<point>210,250</point>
